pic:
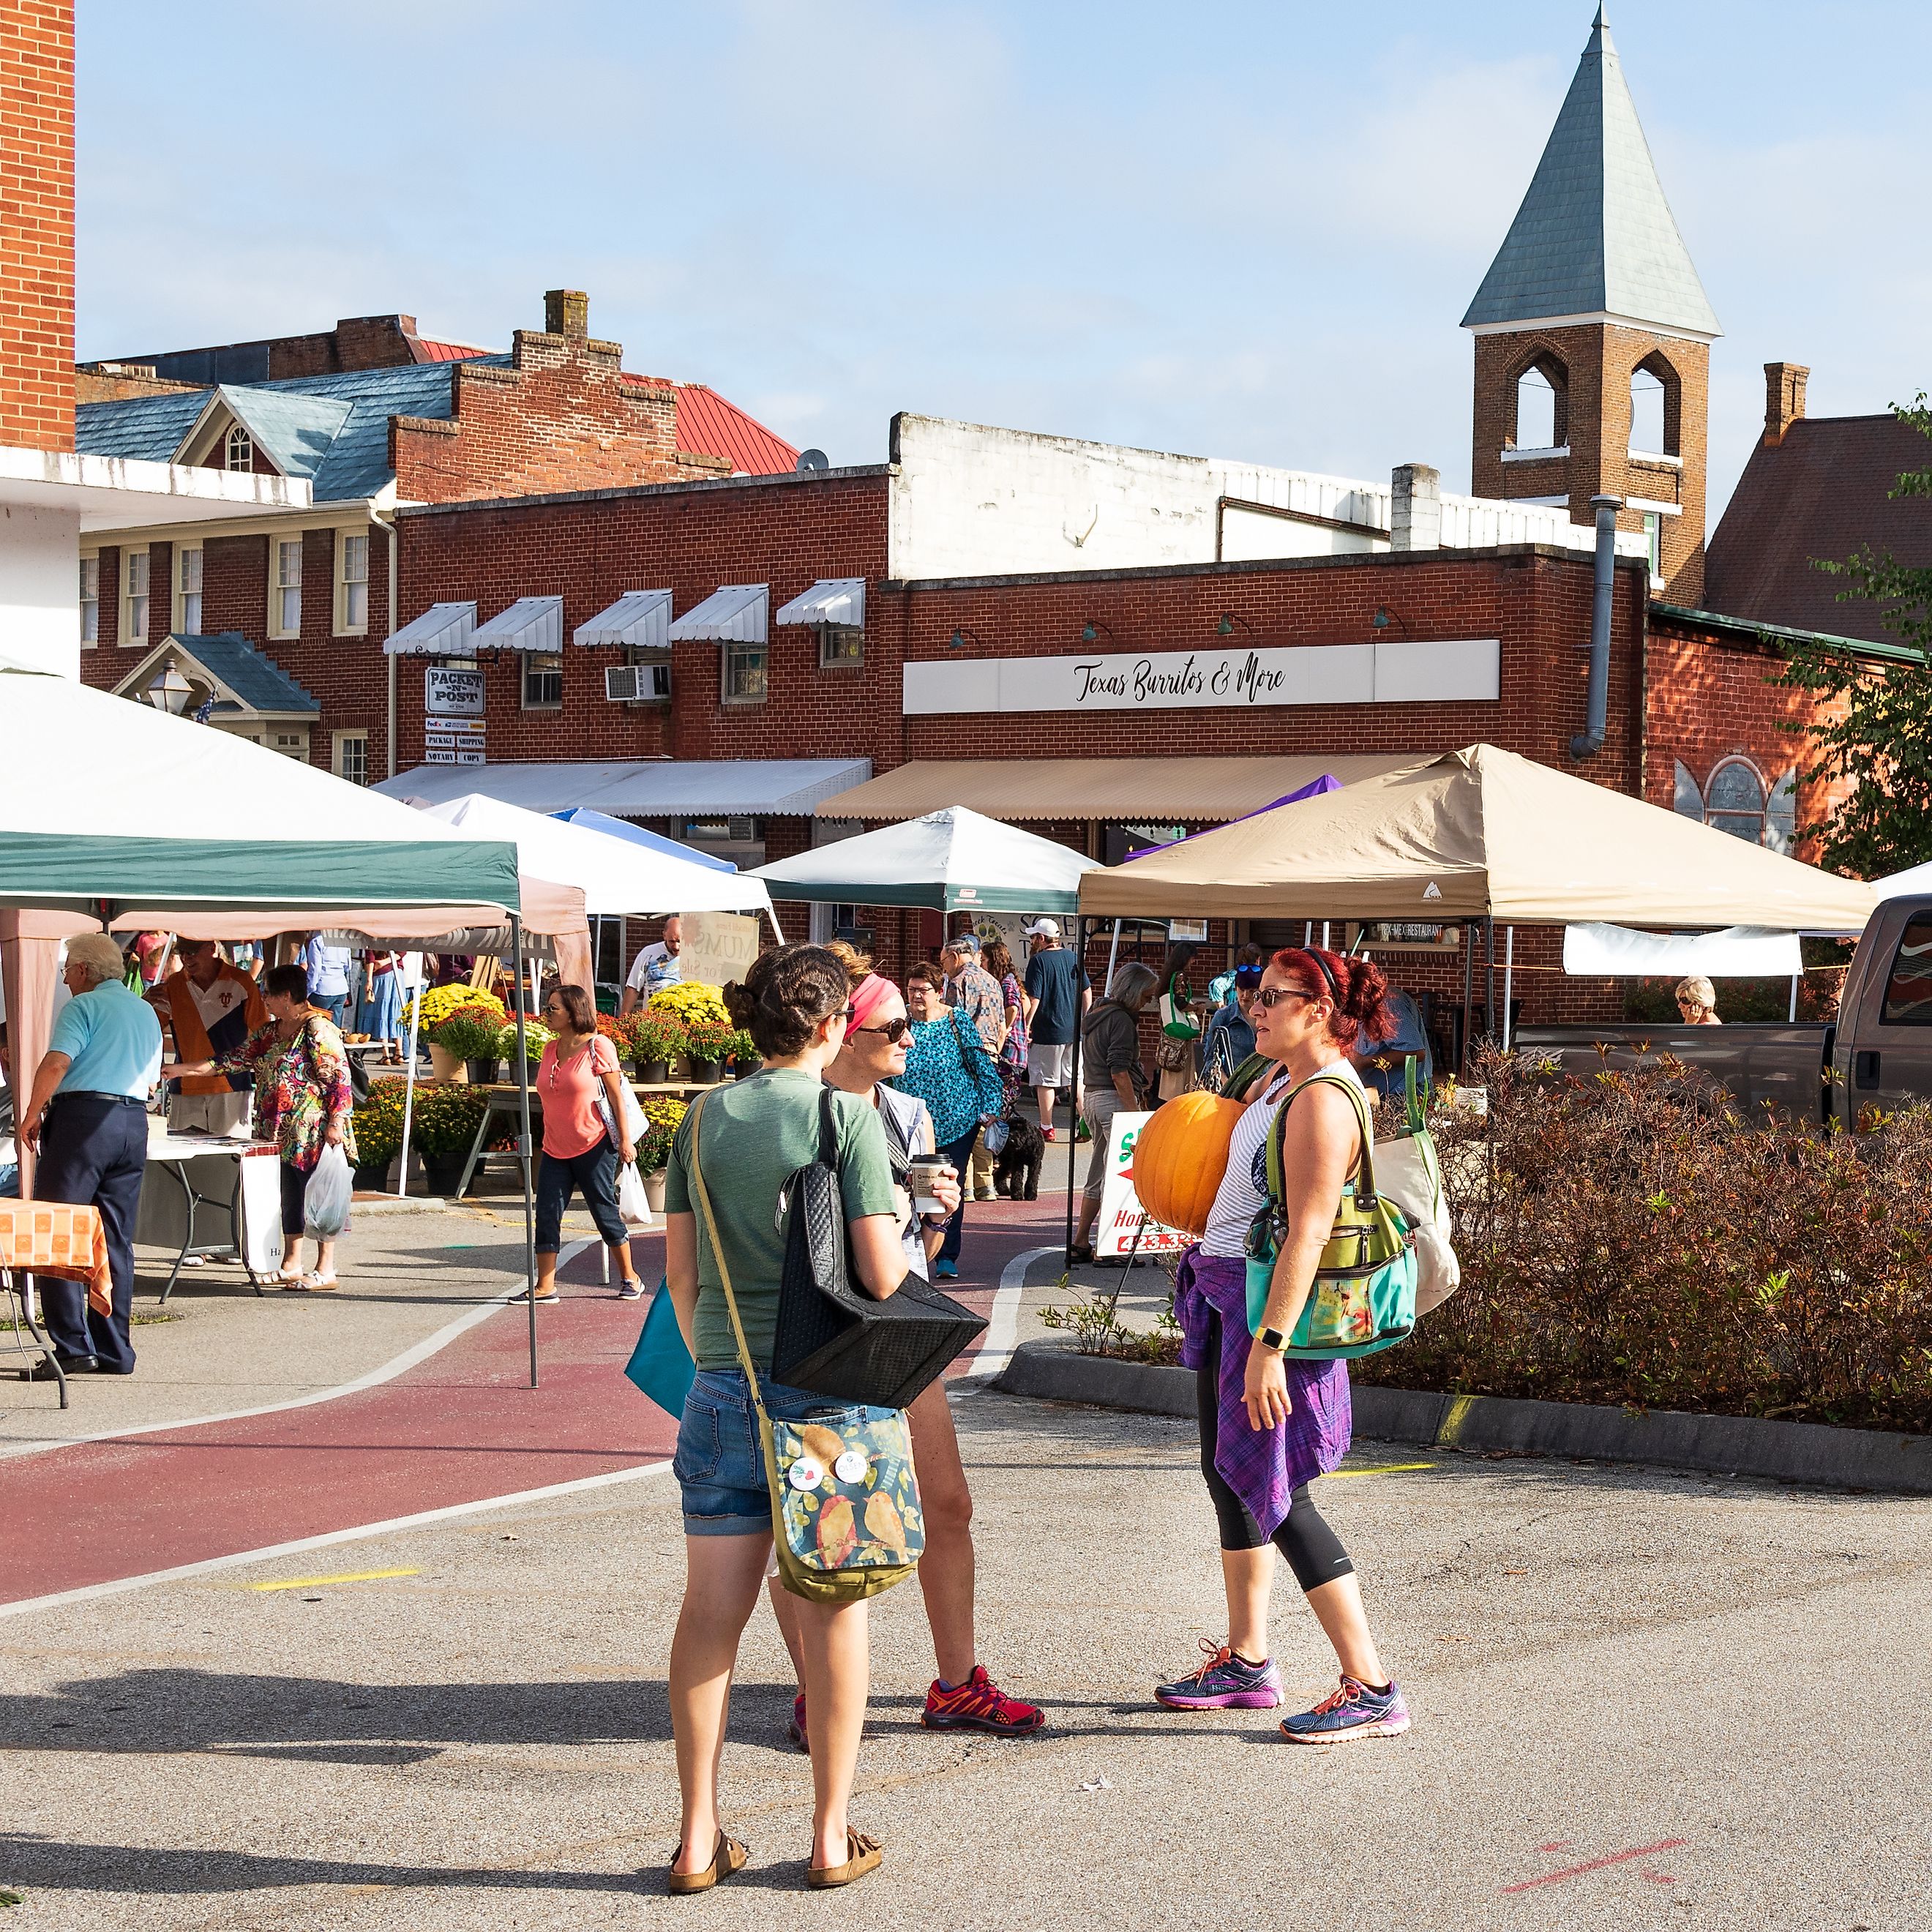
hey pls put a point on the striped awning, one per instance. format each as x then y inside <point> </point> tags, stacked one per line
<point>529,624</point>
<point>831,600</point>
<point>640,620</point>
<point>443,631</point>
<point>734,613</point>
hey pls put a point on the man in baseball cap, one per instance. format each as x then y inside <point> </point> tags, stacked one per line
<point>1058,993</point>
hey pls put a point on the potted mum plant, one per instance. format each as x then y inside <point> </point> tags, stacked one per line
<point>378,1122</point>
<point>438,1003</point>
<point>443,1131</point>
<point>663,1114</point>
<point>656,1039</point>
<point>469,1035</point>
<point>707,1042</point>
<point>536,1037</point>
<point>741,1056</point>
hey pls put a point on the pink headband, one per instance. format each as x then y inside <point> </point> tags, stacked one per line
<point>868,996</point>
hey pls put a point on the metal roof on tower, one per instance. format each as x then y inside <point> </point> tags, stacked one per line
<point>1594,239</point>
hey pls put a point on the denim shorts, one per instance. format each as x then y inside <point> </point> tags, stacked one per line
<point>720,1463</point>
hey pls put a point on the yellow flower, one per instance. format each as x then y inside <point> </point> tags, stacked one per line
<point>690,1003</point>
<point>439,1002</point>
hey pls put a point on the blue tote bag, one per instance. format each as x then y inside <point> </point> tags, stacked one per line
<point>660,1365</point>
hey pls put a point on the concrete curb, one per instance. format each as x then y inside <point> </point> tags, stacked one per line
<point>1740,1445</point>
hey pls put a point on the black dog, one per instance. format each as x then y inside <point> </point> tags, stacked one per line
<point>1016,1166</point>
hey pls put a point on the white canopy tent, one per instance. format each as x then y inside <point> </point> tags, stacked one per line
<point>1902,885</point>
<point>616,876</point>
<point>1737,953</point>
<point>954,860</point>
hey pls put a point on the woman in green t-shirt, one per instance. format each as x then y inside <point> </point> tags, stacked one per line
<point>754,1135</point>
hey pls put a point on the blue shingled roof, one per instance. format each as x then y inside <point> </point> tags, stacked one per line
<point>258,681</point>
<point>1594,235</point>
<point>292,419</point>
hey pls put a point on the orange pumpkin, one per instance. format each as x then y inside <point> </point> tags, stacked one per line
<point>1180,1156</point>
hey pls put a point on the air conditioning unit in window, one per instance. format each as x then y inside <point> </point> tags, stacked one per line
<point>636,684</point>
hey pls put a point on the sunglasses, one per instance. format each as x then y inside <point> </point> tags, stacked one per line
<point>1271,996</point>
<point>893,1031</point>
<point>1247,977</point>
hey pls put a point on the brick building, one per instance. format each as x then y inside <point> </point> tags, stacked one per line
<point>368,415</point>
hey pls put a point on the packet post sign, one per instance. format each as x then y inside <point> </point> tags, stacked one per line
<point>1122,1216</point>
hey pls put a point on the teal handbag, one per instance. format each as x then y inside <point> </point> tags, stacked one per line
<point>661,1366</point>
<point>1363,1297</point>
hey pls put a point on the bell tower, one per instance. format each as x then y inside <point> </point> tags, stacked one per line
<point>1593,336</point>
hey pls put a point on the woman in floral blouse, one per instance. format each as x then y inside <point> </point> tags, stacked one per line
<point>303,1101</point>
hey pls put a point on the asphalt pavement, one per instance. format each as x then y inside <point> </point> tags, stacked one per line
<point>1641,1699</point>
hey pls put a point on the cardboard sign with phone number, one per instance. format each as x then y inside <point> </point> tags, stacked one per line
<point>1122,1216</point>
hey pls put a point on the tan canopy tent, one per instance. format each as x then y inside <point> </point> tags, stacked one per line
<point>1477,833</point>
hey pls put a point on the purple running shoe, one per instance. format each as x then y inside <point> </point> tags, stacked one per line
<point>1225,1682</point>
<point>1353,1711</point>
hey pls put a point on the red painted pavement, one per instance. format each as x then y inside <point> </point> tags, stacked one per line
<point>461,1427</point>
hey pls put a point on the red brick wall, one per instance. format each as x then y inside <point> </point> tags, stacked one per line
<point>564,416</point>
<point>37,224</point>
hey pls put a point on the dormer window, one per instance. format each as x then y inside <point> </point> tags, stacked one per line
<point>240,449</point>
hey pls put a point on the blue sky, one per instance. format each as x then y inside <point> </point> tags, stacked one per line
<point>1244,230</point>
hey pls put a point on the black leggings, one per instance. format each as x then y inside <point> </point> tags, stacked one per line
<point>1313,1550</point>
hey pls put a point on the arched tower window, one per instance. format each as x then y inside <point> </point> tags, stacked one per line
<point>1656,408</point>
<point>240,451</point>
<point>1542,405</point>
<point>1734,800</point>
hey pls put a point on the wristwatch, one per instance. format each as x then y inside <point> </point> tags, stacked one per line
<point>1273,1338</point>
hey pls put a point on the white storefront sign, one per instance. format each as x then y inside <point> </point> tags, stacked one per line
<point>1122,1216</point>
<point>453,741</point>
<point>1402,672</point>
<point>452,694</point>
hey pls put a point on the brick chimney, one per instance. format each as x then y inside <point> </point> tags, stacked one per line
<point>567,312</point>
<point>1783,399</point>
<point>36,264</point>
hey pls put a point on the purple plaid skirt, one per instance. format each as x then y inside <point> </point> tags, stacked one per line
<point>1264,1467</point>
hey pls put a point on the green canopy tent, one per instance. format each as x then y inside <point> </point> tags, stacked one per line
<point>107,804</point>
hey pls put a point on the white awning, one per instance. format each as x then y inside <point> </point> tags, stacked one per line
<point>1737,953</point>
<point>443,631</point>
<point>530,624</point>
<point>640,620</point>
<point>831,600</point>
<point>733,614</point>
<point>646,788</point>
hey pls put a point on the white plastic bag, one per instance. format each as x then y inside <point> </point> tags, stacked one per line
<point>633,1205</point>
<point>325,1200</point>
<point>1408,1173</point>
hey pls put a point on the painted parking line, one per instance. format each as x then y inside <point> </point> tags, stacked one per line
<point>1380,1469</point>
<point>1597,1865</point>
<point>316,1583</point>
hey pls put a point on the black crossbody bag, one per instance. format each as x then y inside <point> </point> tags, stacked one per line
<point>833,1338</point>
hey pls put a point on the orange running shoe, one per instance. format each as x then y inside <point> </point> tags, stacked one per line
<point>978,1705</point>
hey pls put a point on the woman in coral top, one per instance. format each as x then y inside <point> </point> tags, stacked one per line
<point>578,1070</point>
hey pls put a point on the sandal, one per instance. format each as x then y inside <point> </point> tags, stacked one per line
<point>730,1858</point>
<point>866,1854</point>
<point>312,1284</point>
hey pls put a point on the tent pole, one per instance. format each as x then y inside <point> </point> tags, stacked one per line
<point>1509,979</point>
<point>1468,998</point>
<point>1073,1123</point>
<point>1489,992</point>
<point>1113,954</point>
<point>523,1142</point>
<point>410,1087</point>
<point>1795,978</point>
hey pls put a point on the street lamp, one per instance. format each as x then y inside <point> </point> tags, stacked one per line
<point>170,692</point>
<point>1093,627</point>
<point>1229,618</point>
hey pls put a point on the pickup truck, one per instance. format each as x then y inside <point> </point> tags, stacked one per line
<point>1877,1053</point>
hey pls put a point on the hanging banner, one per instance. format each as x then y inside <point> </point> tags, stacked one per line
<point>1122,1216</point>
<point>719,946</point>
<point>452,694</point>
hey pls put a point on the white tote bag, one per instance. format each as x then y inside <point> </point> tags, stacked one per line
<point>1408,1173</point>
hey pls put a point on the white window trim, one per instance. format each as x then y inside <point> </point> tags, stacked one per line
<point>228,436</point>
<point>337,740</point>
<point>275,628</point>
<point>177,600</point>
<point>88,643</point>
<point>523,666</point>
<point>1513,455</point>
<point>342,628</point>
<point>125,635</point>
<point>1655,504</point>
<point>1660,457</point>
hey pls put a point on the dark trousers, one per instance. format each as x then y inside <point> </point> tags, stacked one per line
<point>957,1153</point>
<point>595,1174</point>
<point>93,1153</point>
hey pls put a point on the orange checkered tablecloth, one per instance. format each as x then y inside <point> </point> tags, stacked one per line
<point>51,1238</point>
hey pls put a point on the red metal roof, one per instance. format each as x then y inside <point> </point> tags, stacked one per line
<point>431,351</point>
<point>707,425</point>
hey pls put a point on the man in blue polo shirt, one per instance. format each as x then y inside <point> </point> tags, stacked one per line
<point>87,1117</point>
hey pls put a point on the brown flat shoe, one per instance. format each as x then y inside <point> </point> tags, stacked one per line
<point>864,1855</point>
<point>730,1858</point>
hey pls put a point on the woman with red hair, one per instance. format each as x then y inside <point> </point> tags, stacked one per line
<point>1269,1426</point>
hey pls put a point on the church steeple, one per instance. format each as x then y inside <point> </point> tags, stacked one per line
<point>1592,289</point>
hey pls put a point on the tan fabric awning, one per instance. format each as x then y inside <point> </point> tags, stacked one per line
<point>1474,832</point>
<point>1156,788</point>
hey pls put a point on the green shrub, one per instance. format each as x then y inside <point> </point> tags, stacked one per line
<point>1631,1237</point>
<point>378,1122</point>
<point>447,1116</point>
